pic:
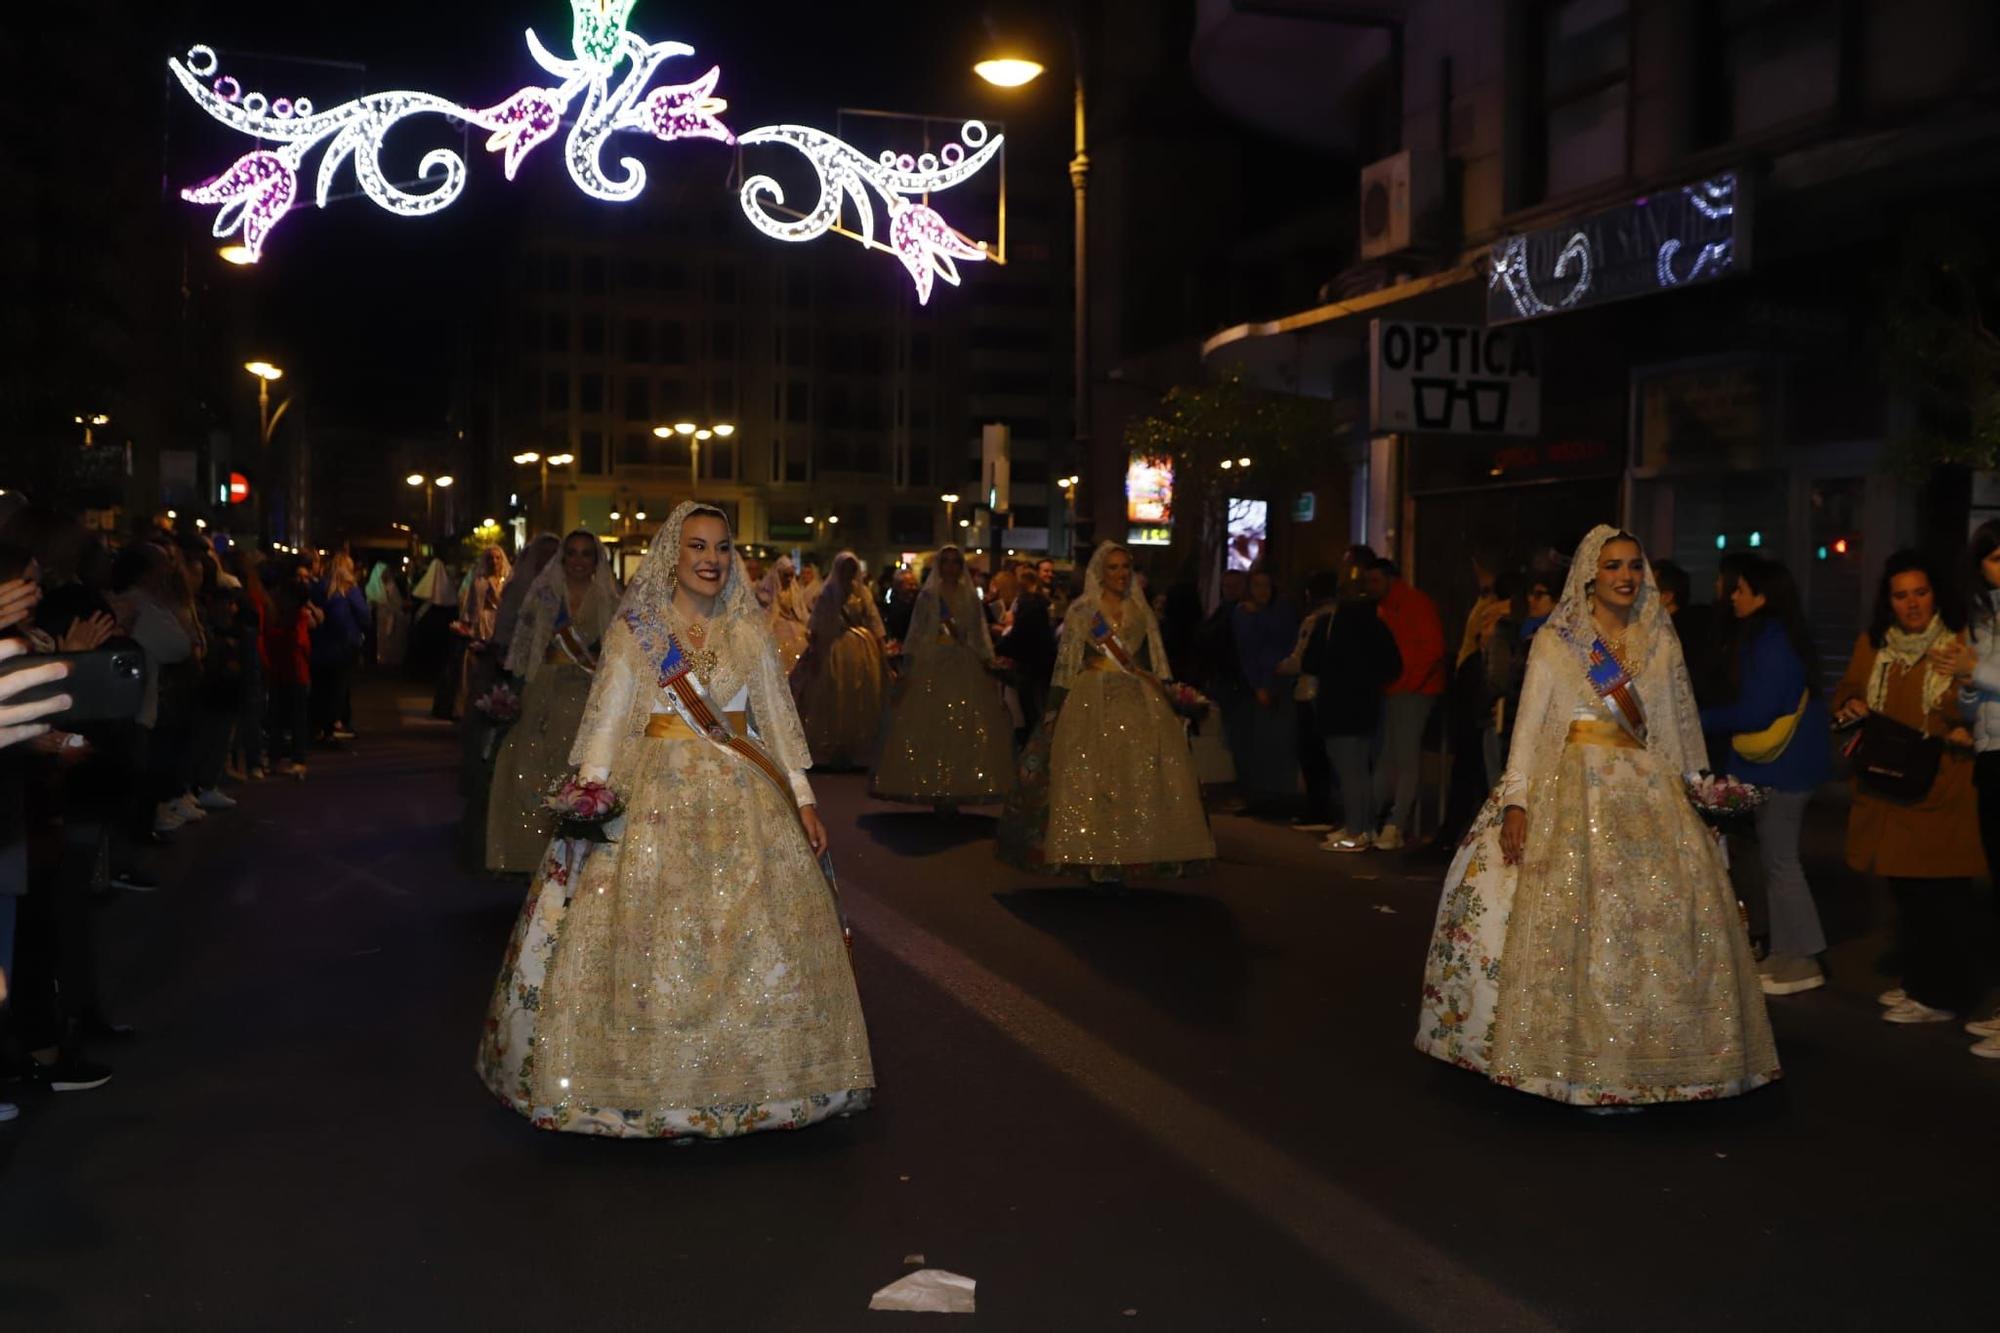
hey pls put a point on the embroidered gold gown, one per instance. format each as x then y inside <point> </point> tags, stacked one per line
<point>689,978</point>
<point>1107,784</point>
<point>536,749</point>
<point>1610,966</point>
<point>842,683</point>
<point>950,739</point>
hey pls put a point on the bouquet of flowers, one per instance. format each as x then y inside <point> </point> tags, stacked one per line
<point>1188,702</point>
<point>583,809</point>
<point>1717,798</point>
<point>500,705</point>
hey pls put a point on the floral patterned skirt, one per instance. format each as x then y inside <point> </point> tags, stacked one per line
<point>688,980</point>
<point>534,754</point>
<point>1610,966</point>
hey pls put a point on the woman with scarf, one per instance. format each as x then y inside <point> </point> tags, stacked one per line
<point>1926,847</point>
<point>1107,785</point>
<point>842,682</point>
<point>950,740</point>
<point>688,979</point>
<point>556,639</point>
<point>478,622</point>
<point>392,623</point>
<point>783,599</point>
<point>1588,947</point>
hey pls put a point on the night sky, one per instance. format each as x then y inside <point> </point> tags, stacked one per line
<point>371,308</point>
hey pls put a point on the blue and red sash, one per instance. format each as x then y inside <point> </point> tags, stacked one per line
<point>1614,686</point>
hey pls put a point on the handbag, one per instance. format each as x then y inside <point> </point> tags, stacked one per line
<point>1765,747</point>
<point>1894,760</point>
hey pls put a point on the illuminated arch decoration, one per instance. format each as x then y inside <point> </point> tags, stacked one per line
<point>611,72</point>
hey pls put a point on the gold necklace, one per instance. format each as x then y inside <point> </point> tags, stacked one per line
<point>700,656</point>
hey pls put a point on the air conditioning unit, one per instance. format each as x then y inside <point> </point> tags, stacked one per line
<point>1399,197</point>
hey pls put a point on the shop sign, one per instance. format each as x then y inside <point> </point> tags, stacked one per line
<point>1453,379</point>
<point>1306,508</point>
<point>1675,238</point>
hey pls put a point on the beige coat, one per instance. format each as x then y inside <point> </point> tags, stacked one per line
<point>1938,836</point>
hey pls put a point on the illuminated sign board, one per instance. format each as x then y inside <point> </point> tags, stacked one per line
<point>1149,501</point>
<point>1655,243</point>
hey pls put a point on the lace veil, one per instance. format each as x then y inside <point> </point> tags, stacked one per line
<point>541,607</point>
<point>967,612</point>
<point>829,610</point>
<point>1138,629</point>
<point>626,691</point>
<point>1560,658</point>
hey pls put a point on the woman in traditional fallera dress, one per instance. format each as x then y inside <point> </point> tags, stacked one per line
<point>783,599</point>
<point>1588,946</point>
<point>553,653</point>
<point>690,978</point>
<point>1107,784</point>
<point>842,682</point>
<point>950,739</point>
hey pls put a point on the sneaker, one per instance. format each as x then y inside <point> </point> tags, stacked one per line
<point>343,734</point>
<point>185,807</point>
<point>1390,839</point>
<point>166,819</point>
<point>1788,976</point>
<point>214,798</point>
<point>1985,1050</point>
<point>258,775</point>
<point>1892,997</point>
<point>1312,826</point>
<point>1916,1011</point>
<point>69,1074</point>
<point>1984,1027</point>
<point>134,881</point>
<point>1347,842</point>
<point>234,772</point>
<point>8,1111</point>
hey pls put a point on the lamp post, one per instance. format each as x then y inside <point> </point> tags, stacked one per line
<point>530,458</point>
<point>1008,70</point>
<point>430,484</point>
<point>696,435</point>
<point>268,374</point>
<point>950,499</point>
<point>819,525</point>
<point>90,422</point>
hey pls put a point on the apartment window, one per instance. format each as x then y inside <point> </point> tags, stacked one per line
<point>530,272</point>
<point>675,400</point>
<point>590,275</point>
<point>590,452</point>
<point>722,341</point>
<point>558,271</point>
<point>670,277</point>
<point>558,339</point>
<point>798,287</point>
<point>722,285</point>
<point>557,397</point>
<point>920,351</point>
<point>531,332</point>
<point>635,449</point>
<point>590,335</point>
<point>1585,92</point>
<point>718,459</point>
<point>722,398</point>
<point>912,525</point>
<point>638,274</point>
<point>798,347</point>
<point>673,343</point>
<point>1780,66</point>
<point>638,399</point>
<point>590,393</point>
<point>798,403</point>
<point>639,341</point>
<point>920,463</point>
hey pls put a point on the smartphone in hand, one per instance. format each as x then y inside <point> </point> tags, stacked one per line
<point>106,685</point>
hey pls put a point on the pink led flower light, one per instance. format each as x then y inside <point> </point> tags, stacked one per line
<point>255,195</point>
<point>689,110</point>
<point>523,121</point>
<point>928,245</point>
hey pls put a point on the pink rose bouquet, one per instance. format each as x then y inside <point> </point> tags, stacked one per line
<point>1717,798</point>
<point>500,705</point>
<point>582,809</point>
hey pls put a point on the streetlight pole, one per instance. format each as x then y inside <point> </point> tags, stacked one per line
<point>268,374</point>
<point>547,461</point>
<point>696,436</point>
<point>950,499</point>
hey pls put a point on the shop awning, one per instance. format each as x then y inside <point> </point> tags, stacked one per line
<point>1301,352</point>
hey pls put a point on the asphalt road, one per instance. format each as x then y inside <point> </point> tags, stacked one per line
<point>1191,1109</point>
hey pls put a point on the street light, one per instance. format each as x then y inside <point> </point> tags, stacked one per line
<point>443,483</point>
<point>696,435</point>
<point>950,499</point>
<point>530,458</point>
<point>1008,69</point>
<point>90,423</point>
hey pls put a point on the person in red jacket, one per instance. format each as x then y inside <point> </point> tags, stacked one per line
<point>1413,620</point>
<point>288,658</point>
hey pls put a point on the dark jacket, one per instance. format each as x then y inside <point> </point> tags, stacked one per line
<point>1772,679</point>
<point>1031,643</point>
<point>348,617</point>
<point>1353,655</point>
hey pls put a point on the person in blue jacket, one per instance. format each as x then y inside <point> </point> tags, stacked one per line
<point>1776,733</point>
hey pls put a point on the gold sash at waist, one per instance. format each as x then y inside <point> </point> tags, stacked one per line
<point>1608,734</point>
<point>555,654</point>
<point>674,727</point>
<point>1101,662</point>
